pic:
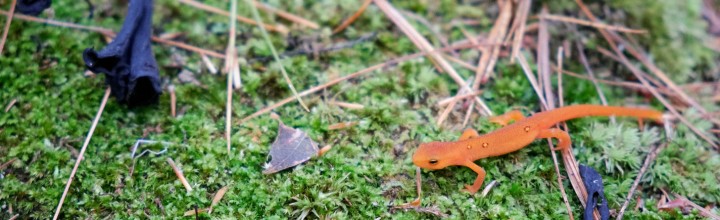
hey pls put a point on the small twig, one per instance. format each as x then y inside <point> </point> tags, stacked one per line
<point>7,164</point>
<point>160,206</point>
<point>449,100</point>
<point>179,174</point>
<point>648,160</point>
<point>286,15</point>
<point>109,32</point>
<point>256,15</point>
<point>209,64</point>
<point>7,26</point>
<point>352,18</point>
<point>204,7</point>
<point>487,188</point>
<point>703,211</point>
<point>347,105</point>
<point>350,76</point>
<point>342,125</point>
<point>82,151</point>
<point>644,81</point>
<point>425,46</point>
<point>14,217</point>
<point>520,21</point>
<point>561,102</point>
<point>230,65</point>
<point>10,105</point>
<point>173,100</point>
<point>583,60</point>
<point>597,25</point>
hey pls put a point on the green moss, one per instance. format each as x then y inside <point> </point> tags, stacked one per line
<point>369,168</point>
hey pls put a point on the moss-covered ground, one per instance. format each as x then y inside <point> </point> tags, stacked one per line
<point>369,170</point>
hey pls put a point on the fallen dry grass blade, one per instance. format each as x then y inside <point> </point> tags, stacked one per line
<point>594,24</point>
<point>82,151</point>
<point>173,100</point>
<point>588,69</point>
<point>230,65</point>
<point>648,160</point>
<point>286,15</point>
<point>7,164</point>
<point>619,53</point>
<point>109,32</point>
<point>350,76</point>
<point>425,46</point>
<point>179,174</point>
<point>703,211</point>
<point>353,17</point>
<point>519,25</point>
<point>548,90</point>
<point>10,105</point>
<point>7,25</point>
<point>347,105</point>
<point>204,7</point>
<point>497,35</point>
<point>218,196</point>
<point>265,35</point>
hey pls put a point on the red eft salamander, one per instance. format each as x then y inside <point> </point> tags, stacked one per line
<point>471,146</point>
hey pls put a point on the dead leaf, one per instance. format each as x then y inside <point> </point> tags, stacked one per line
<point>291,147</point>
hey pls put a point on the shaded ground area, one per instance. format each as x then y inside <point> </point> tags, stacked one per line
<point>369,170</point>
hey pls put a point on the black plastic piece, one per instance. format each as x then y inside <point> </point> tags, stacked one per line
<point>596,193</point>
<point>128,61</point>
<point>32,7</point>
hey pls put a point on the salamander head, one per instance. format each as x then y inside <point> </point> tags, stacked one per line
<point>433,156</point>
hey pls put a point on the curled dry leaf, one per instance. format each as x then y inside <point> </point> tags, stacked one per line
<point>291,147</point>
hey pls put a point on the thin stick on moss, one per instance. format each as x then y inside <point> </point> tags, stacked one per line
<point>10,105</point>
<point>179,174</point>
<point>204,7</point>
<point>352,18</point>
<point>520,27</point>
<point>648,160</point>
<point>230,65</point>
<point>82,151</point>
<point>594,24</point>
<point>286,15</point>
<point>425,46</point>
<point>624,60</point>
<point>109,32</point>
<point>353,75</point>
<point>173,99</point>
<point>256,15</point>
<point>561,102</point>
<point>7,164</point>
<point>588,69</point>
<point>7,25</point>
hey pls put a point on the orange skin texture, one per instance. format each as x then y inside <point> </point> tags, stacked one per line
<point>471,146</point>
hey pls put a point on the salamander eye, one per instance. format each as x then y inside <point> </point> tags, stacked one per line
<point>433,161</point>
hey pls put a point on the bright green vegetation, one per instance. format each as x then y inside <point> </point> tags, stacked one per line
<point>368,170</point>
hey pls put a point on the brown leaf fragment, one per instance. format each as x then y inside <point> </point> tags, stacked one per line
<point>291,148</point>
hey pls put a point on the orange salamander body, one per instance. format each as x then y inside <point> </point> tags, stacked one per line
<point>471,146</point>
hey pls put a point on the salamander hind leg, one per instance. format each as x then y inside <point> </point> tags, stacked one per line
<point>468,134</point>
<point>504,119</point>
<point>562,137</point>
<point>478,181</point>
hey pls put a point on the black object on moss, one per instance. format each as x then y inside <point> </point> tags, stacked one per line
<point>596,193</point>
<point>32,7</point>
<point>128,61</point>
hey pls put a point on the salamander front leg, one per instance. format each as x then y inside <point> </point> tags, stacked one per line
<point>562,137</point>
<point>479,180</point>
<point>468,134</point>
<point>504,119</point>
